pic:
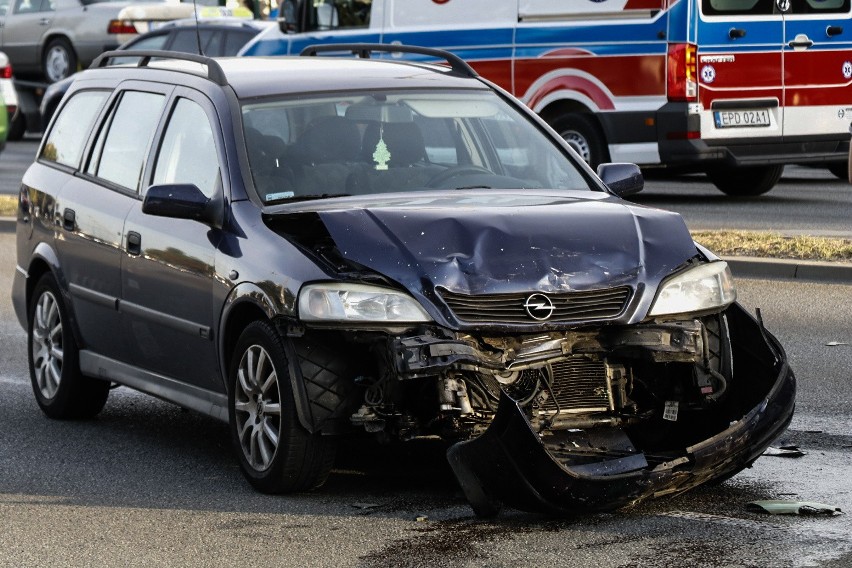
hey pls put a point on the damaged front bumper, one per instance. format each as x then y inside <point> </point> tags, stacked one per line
<point>565,471</point>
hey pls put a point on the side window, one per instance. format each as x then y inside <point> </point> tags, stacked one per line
<point>235,40</point>
<point>67,138</point>
<point>151,42</point>
<point>820,6</point>
<point>188,152</point>
<point>440,140</point>
<point>186,41</point>
<point>122,144</point>
<point>738,7</point>
<point>336,14</point>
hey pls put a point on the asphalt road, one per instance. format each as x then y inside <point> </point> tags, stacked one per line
<point>147,484</point>
<point>807,200</point>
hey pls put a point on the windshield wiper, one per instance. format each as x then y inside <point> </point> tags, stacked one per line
<point>475,187</point>
<point>309,197</point>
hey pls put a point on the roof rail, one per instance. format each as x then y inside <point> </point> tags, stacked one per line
<point>363,50</point>
<point>214,70</point>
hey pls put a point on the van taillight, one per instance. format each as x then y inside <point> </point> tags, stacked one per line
<point>6,72</point>
<point>121,27</point>
<point>682,72</point>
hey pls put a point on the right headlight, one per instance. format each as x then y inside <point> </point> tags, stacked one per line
<point>342,302</point>
<point>705,287</point>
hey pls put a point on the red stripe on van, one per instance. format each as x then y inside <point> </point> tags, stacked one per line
<point>576,84</point>
<point>624,76</point>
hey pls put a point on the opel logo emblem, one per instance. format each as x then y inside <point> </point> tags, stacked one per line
<point>539,307</point>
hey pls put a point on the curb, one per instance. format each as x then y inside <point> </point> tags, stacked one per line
<point>790,269</point>
<point>741,266</point>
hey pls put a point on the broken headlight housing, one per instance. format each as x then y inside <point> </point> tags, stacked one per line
<point>704,287</point>
<point>340,302</point>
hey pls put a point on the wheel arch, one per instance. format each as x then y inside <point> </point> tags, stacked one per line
<point>55,34</point>
<point>43,260</point>
<point>567,106</point>
<point>246,303</point>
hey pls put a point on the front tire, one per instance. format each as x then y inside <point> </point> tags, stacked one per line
<point>746,182</point>
<point>60,389</point>
<point>276,454</point>
<point>59,60</point>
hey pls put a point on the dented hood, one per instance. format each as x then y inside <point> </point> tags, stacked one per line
<point>494,242</point>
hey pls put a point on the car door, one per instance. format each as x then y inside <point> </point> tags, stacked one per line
<point>739,68</point>
<point>23,28</point>
<point>817,68</point>
<point>168,270</point>
<point>92,205</point>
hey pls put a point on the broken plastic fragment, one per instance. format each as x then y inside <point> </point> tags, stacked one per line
<point>835,343</point>
<point>785,507</point>
<point>421,518</point>
<point>784,452</point>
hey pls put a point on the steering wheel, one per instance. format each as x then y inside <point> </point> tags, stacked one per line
<point>454,171</point>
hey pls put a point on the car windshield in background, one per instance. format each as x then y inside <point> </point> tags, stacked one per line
<point>392,141</point>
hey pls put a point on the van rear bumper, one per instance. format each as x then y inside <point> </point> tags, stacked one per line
<point>678,150</point>
<point>699,154</point>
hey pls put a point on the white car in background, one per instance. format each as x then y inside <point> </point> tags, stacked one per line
<point>52,39</point>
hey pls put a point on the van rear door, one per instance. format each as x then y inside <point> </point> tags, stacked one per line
<point>817,68</point>
<point>739,69</point>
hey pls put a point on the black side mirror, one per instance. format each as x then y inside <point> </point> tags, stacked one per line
<point>622,179</point>
<point>182,201</point>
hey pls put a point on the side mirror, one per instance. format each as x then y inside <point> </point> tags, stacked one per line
<point>622,179</point>
<point>182,201</point>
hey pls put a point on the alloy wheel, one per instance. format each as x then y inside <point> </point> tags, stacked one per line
<point>257,406</point>
<point>47,347</point>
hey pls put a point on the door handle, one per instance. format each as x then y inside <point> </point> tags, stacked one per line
<point>134,243</point>
<point>44,22</point>
<point>801,42</point>
<point>736,33</point>
<point>69,220</point>
<point>832,31</point>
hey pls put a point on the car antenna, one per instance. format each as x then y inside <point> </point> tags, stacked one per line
<point>197,33</point>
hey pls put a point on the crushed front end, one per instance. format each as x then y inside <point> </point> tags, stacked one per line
<point>588,379</point>
<point>596,417</point>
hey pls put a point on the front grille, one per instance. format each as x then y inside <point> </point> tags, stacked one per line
<point>578,384</point>
<point>509,308</point>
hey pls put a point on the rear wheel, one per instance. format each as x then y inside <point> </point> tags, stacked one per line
<point>747,181</point>
<point>276,453</point>
<point>60,389</point>
<point>583,135</point>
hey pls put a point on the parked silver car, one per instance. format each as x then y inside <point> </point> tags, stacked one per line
<point>54,38</point>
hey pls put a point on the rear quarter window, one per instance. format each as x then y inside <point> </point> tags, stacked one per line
<point>66,140</point>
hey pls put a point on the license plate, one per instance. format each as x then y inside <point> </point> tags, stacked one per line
<point>741,118</point>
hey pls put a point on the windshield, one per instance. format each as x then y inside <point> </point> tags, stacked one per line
<point>392,141</point>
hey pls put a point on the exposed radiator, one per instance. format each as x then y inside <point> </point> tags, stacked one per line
<point>577,384</point>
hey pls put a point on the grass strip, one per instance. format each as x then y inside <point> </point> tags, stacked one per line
<point>8,205</point>
<point>775,245</point>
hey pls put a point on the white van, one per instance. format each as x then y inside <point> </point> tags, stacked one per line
<point>736,88</point>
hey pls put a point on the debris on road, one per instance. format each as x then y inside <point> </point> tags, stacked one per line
<point>784,452</point>
<point>788,507</point>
